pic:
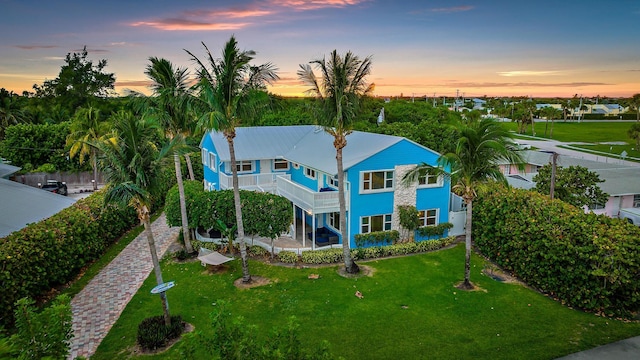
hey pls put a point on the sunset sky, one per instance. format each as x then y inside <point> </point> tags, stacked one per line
<point>479,47</point>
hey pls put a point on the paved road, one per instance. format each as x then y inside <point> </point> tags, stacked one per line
<point>97,307</point>
<point>628,349</point>
<point>553,145</point>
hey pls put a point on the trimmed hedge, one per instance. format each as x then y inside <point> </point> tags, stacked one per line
<point>51,252</point>
<point>335,255</point>
<point>434,230</point>
<point>587,261</point>
<point>377,237</point>
<point>264,214</point>
<point>288,257</point>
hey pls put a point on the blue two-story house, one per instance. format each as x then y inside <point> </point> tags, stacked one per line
<point>298,162</point>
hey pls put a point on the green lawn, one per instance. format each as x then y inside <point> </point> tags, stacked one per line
<point>410,310</point>
<point>591,132</point>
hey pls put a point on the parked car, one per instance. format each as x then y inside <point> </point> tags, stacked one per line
<point>631,214</point>
<point>56,187</point>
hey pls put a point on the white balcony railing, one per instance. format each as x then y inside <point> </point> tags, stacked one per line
<point>262,182</point>
<point>310,201</point>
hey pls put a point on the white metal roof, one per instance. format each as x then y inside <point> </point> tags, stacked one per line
<point>308,145</point>
<point>618,179</point>
<point>23,204</point>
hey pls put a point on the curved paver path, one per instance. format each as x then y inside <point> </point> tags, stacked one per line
<point>97,307</point>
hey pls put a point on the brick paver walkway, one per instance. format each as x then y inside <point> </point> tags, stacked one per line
<point>97,307</point>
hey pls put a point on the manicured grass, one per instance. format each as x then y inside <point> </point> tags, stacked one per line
<point>591,132</point>
<point>410,310</point>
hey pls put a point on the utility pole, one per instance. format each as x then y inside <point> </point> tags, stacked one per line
<point>554,160</point>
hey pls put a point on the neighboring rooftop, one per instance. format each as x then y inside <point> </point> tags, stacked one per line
<point>618,179</point>
<point>23,204</point>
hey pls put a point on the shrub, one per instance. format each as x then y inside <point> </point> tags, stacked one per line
<point>435,230</point>
<point>258,251</point>
<point>587,261</point>
<point>329,256</point>
<point>43,335</point>
<point>233,338</point>
<point>154,334</point>
<point>288,257</point>
<point>46,168</point>
<point>377,237</point>
<point>400,249</point>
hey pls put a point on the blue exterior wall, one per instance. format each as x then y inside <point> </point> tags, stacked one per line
<point>404,152</point>
<point>210,175</point>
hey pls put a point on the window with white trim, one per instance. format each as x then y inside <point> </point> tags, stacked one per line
<point>332,181</point>
<point>375,223</point>
<point>310,173</point>
<point>205,157</point>
<point>334,220</point>
<point>428,217</point>
<point>280,164</point>
<point>377,181</point>
<point>429,180</point>
<point>212,161</point>
<point>636,201</point>
<point>244,166</point>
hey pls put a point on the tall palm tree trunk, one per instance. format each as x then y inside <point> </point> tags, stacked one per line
<point>187,159</point>
<point>144,218</point>
<point>466,284</point>
<point>246,277</point>
<point>183,205</point>
<point>349,265</point>
<point>94,160</point>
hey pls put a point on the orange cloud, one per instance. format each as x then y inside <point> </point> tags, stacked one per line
<point>134,83</point>
<point>189,25</point>
<point>302,5</point>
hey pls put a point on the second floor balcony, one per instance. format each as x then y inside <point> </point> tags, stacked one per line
<point>262,182</point>
<point>314,202</point>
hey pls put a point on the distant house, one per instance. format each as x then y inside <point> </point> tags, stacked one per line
<point>621,182</point>
<point>23,204</point>
<point>298,162</point>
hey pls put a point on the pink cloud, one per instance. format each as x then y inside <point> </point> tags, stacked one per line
<point>231,13</point>
<point>302,5</point>
<point>188,25</point>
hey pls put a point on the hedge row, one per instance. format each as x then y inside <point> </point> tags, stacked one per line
<point>377,237</point>
<point>335,255</point>
<point>263,214</point>
<point>51,252</point>
<point>587,261</point>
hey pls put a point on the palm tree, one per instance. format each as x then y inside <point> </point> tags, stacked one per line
<point>634,103</point>
<point>229,88</point>
<point>131,165</point>
<point>11,112</point>
<point>341,84</point>
<point>86,129</point>
<point>481,146</point>
<point>550,113</point>
<point>171,106</point>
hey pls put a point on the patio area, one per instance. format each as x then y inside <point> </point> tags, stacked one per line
<point>283,243</point>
